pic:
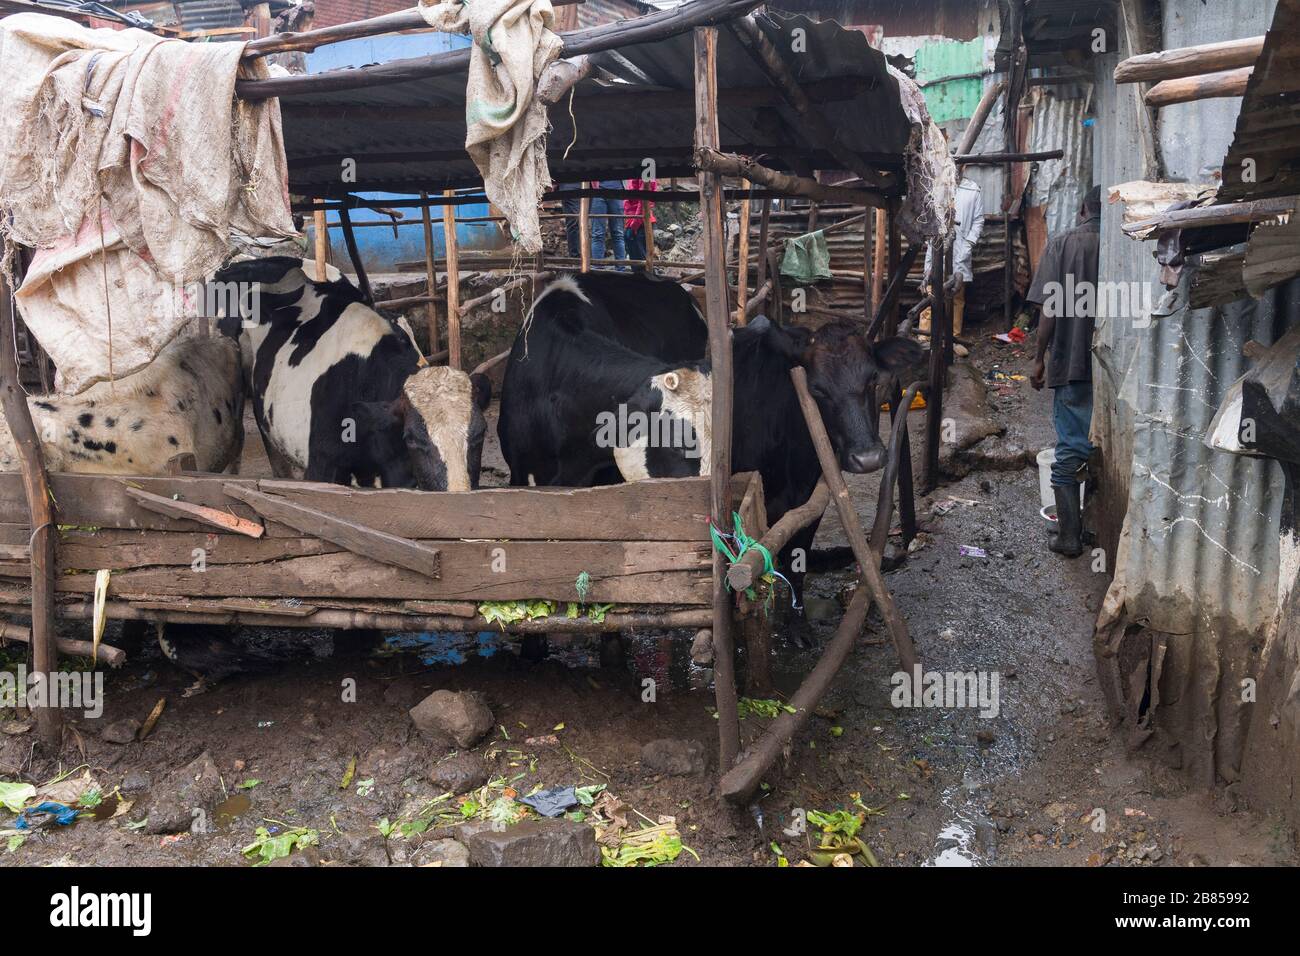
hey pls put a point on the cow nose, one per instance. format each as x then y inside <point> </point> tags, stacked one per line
<point>861,462</point>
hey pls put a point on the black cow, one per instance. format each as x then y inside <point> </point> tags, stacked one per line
<point>573,367</point>
<point>338,391</point>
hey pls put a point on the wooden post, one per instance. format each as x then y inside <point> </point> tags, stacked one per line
<point>322,243</point>
<point>647,223</point>
<point>742,258</point>
<point>868,560</point>
<point>584,231</point>
<point>350,240</point>
<point>895,257</point>
<point>706,135</point>
<point>430,275</point>
<point>40,509</point>
<point>878,250</point>
<point>262,20</point>
<point>938,370</point>
<point>764,221</point>
<point>453,281</point>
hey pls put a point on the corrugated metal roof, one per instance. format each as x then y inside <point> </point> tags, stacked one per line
<point>1056,29</point>
<point>860,100</point>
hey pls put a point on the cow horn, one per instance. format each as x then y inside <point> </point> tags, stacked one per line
<point>671,381</point>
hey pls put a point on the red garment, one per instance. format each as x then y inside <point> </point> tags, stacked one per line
<point>632,212</point>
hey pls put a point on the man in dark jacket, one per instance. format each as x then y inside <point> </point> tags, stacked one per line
<point>1065,289</point>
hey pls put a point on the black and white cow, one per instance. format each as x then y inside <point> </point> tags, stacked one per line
<point>573,366</point>
<point>190,398</point>
<point>338,389</point>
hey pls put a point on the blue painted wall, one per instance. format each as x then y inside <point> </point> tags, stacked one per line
<point>380,250</point>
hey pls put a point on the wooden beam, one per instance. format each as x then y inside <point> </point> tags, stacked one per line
<point>938,368</point>
<point>322,232</point>
<point>654,26</point>
<point>584,233</point>
<point>358,538</point>
<point>980,116</point>
<point>1189,61</point>
<point>202,513</point>
<point>113,656</point>
<point>1228,214</point>
<point>350,240</point>
<point>900,405</point>
<point>1203,87</point>
<point>1001,159</point>
<point>453,282</point>
<point>893,293</point>
<point>403,21</point>
<point>40,512</point>
<point>742,261</point>
<point>743,573</point>
<point>867,559</point>
<point>739,782</point>
<point>729,164</point>
<point>715,266</point>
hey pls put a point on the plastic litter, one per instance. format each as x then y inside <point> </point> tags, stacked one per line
<point>47,813</point>
<point>553,802</point>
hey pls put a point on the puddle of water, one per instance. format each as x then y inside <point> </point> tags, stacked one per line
<point>107,807</point>
<point>231,808</point>
<point>956,843</point>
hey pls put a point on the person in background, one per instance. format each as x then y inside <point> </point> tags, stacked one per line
<point>968,226</point>
<point>572,212</point>
<point>634,213</point>
<point>607,235</point>
<point>1069,265</point>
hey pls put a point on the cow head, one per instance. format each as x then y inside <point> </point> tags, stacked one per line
<point>430,436</point>
<point>843,369</point>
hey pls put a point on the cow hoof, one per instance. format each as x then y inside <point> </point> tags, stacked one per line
<point>799,632</point>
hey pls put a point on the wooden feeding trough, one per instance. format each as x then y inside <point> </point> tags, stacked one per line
<point>219,549</point>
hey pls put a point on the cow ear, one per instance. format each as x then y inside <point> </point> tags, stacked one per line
<point>896,353</point>
<point>480,387</point>
<point>792,341</point>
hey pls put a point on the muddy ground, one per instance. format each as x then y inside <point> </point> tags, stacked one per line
<point>944,786</point>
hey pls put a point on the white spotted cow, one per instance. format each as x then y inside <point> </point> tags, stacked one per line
<point>188,399</point>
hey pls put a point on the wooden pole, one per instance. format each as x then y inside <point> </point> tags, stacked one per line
<point>1001,159</point>
<point>740,782</point>
<point>764,222</point>
<point>742,261</point>
<point>40,508</point>
<point>868,560</point>
<point>453,283</point>
<point>584,231</point>
<point>430,276</point>
<point>1205,87</point>
<point>938,370</point>
<point>879,248</point>
<point>895,257</point>
<point>1189,61</point>
<point>706,137</point>
<point>888,306</point>
<point>730,164</point>
<point>322,244</point>
<point>350,240</point>
<point>980,116</point>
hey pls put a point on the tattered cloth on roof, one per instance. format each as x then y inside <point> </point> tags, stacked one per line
<point>128,164</point>
<point>928,210</point>
<point>506,124</point>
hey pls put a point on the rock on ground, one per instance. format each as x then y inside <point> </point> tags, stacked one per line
<point>459,774</point>
<point>463,716</point>
<point>196,786</point>
<point>532,843</point>
<point>440,853</point>
<point>678,758</point>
